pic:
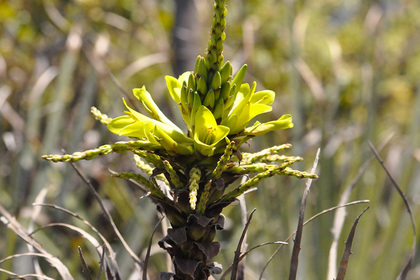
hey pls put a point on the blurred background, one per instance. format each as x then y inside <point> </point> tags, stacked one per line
<point>347,71</point>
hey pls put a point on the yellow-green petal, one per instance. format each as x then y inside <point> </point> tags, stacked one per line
<point>152,109</point>
<point>263,97</point>
<point>174,88</point>
<point>257,129</point>
<point>207,133</point>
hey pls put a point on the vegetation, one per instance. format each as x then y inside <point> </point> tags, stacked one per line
<point>348,74</point>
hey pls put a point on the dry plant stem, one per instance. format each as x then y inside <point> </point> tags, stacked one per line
<point>296,247</point>
<point>338,222</point>
<point>22,255</point>
<point>83,233</point>
<point>112,254</point>
<point>241,264</point>
<point>304,224</point>
<point>101,264</point>
<point>339,216</point>
<point>146,259</point>
<point>244,254</point>
<point>25,276</point>
<point>407,267</point>
<point>138,262</point>
<point>16,227</point>
<point>347,251</point>
<point>39,199</point>
<point>85,270</point>
<point>86,236</point>
<point>238,249</point>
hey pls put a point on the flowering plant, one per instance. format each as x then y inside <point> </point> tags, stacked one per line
<point>198,165</point>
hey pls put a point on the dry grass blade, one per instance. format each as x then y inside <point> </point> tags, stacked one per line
<point>338,222</point>
<point>238,248</point>
<point>16,227</point>
<point>334,208</point>
<point>244,246</point>
<point>304,224</point>
<point>35,213</point>
<point>146,259</point>
<point>139,263</point>
<point>83,233</point>
<point>296,246</point>
<point>112,254</point>
<point>142,63</point>
<point>85,270</point>
<point>407,267</point>
<point>22,255</point>
<point>347,251</point>
<point>101,263</point>
<point>25,276</point>
<point>339,216</point>
<point>244,254</point>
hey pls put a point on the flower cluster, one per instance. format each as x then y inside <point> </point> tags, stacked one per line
<point>214,106</point>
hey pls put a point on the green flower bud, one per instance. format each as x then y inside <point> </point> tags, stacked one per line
<point>184,96</point>
<point>226,72</point>
<point>239,78</point>
<point>231,99</point>
<point>216,81</point>
<point>191,82</point>
<point>225,91</point>
<point>197,64</point>
<point>190,99</point>
<point>201,86</point>
<point>209,100</point>
<point>202,70</point>
<point>219,109</point>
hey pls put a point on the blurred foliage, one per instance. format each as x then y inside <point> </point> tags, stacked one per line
<point>348,72</point>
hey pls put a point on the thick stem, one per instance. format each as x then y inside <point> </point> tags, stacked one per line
<point>190,241</point>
